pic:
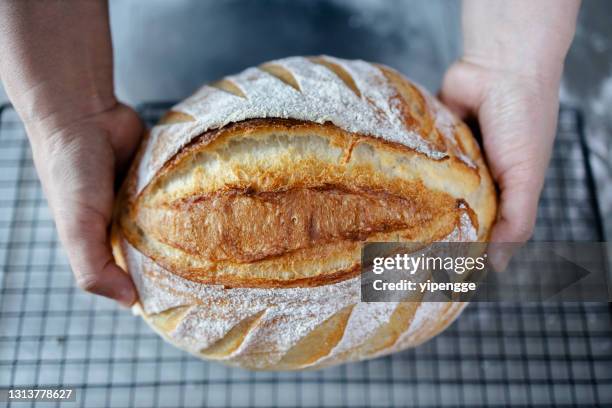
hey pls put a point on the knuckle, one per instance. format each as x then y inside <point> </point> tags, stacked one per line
<point>87,282</point>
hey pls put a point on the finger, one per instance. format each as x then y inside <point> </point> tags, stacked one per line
<point>462,89</point>
<point>85,238</point>
<point>516,220</point>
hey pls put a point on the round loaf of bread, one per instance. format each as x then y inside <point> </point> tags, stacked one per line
<point>242,218</point>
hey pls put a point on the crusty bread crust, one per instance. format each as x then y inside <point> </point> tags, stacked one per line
<point>264,209</point>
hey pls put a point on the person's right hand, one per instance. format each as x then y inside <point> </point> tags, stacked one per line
<point>517,115</point>
<point>77,164</point>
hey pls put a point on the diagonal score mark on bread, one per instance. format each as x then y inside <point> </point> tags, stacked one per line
<point>245,218</point>
<point>318,343</point>
<point>227,85</point>
<point>282,74</point>
<point>377,341</point>
<point>169,319</point>
<point>338,70</point>
<point>174,117</point>
<point>225,346</point>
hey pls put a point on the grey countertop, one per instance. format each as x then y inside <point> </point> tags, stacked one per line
<point>164,50</point>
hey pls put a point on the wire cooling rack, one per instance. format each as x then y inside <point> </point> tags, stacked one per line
<point>495,354</point>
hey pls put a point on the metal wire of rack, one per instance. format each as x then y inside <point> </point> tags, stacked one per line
<point>495,354</point>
